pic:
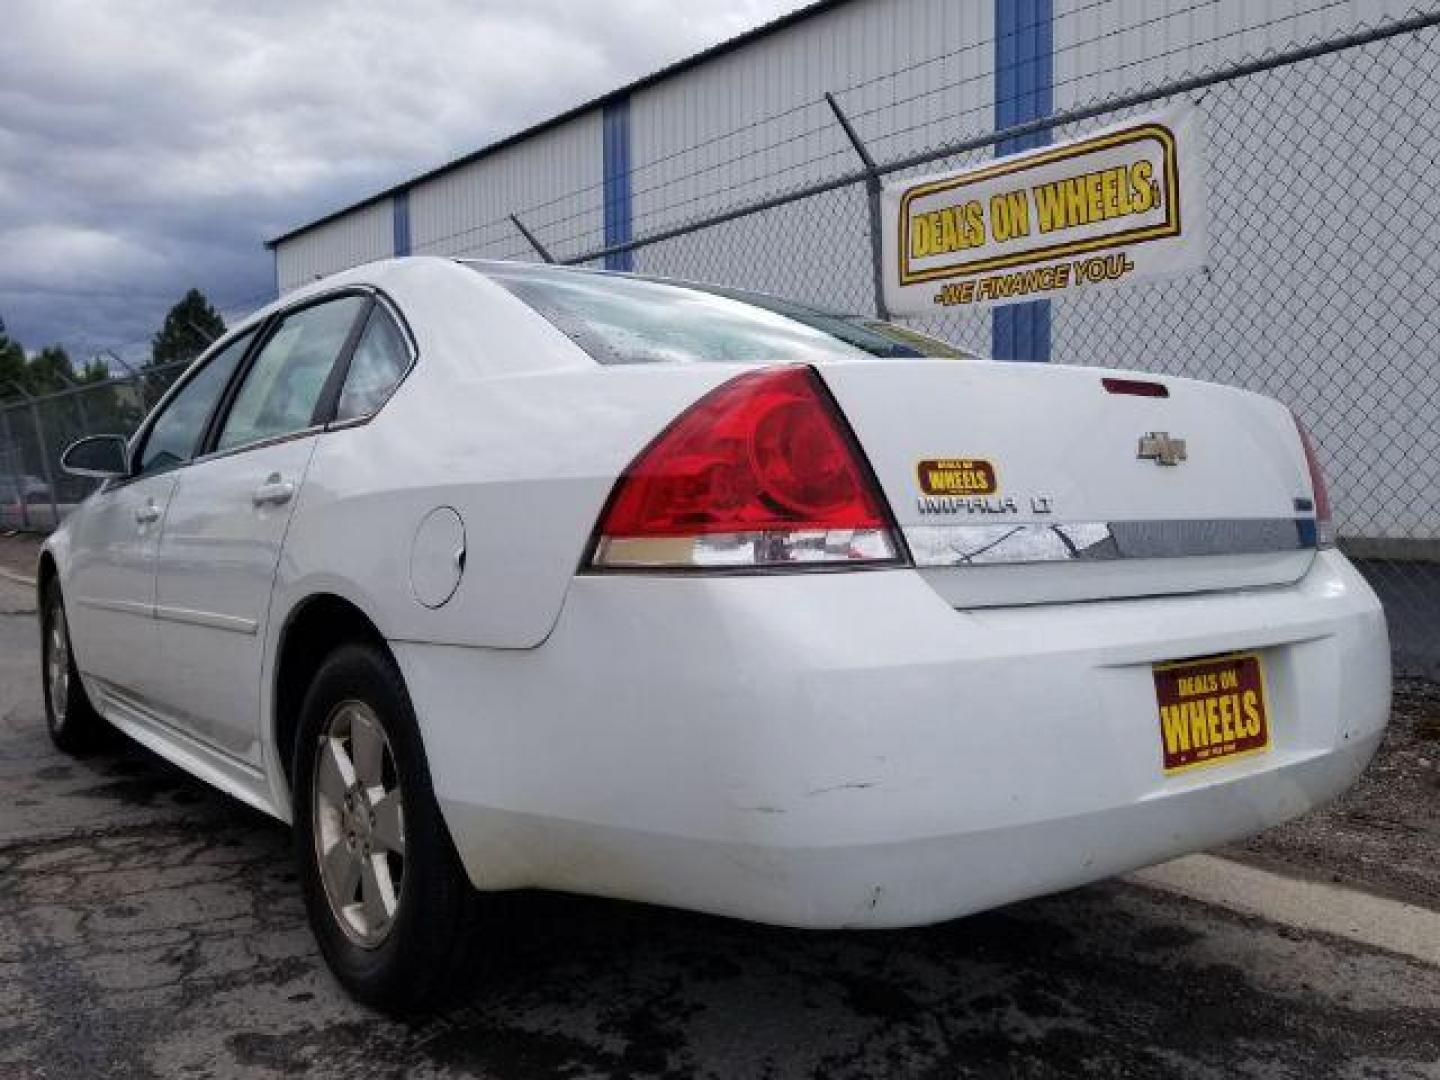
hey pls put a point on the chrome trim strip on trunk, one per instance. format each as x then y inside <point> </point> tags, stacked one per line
<point>1100,541</point>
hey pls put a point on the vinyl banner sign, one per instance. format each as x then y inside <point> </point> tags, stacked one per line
<point>1122,205</point>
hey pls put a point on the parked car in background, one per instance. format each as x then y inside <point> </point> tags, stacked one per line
<point>489,576</point>
<point>25,503</point>
<point>15,490</point>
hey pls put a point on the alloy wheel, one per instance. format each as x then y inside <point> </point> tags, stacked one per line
<point>359,823</point>
<point>57,665</point>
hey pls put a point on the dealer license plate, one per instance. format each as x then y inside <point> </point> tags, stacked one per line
<point>1211,710</point>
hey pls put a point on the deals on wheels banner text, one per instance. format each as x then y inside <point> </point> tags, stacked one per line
<point>1124,204</point>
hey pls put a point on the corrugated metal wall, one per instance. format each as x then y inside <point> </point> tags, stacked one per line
<point>1106,47</point>
<point>553,181</point>
<point>361,236</point>
<point>753,123</point>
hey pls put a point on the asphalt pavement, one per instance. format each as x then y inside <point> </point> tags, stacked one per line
<point>150,927</point>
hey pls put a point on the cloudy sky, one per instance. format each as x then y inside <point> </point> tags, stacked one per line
<point>150,145</point>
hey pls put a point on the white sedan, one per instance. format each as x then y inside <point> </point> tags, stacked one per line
<point>490,576</point>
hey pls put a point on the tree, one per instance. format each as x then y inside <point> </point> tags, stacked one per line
<point>47,371</point>
<point>95,370</point>
<point>13,368</point>
<point>189,328</point>
<point>50,370</point>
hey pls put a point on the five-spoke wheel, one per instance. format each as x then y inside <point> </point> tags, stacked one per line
<point>57,662</point>
<point>359,823</point>
<point>74,725</point>
<point>390,902</point>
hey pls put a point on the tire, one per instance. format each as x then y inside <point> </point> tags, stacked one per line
<point>74,725</point>
<point>365,816</point>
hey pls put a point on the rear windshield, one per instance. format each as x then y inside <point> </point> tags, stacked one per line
<point>619,319</point>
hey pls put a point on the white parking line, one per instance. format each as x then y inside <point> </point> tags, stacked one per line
<point>18,579</point>
<point>1306,905</point>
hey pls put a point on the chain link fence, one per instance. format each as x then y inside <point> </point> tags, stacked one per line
<point>35,493</point>
<point>1322,289</point>
<point>1323,284</point>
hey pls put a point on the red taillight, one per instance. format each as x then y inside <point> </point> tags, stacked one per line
<point>761,471</point>
<point>1324,520</point>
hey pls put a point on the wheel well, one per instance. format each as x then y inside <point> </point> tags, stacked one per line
<point>315,628</point>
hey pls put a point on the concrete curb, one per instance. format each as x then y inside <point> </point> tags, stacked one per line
<point>1305,905</point>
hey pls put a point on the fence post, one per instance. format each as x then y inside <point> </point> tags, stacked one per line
<point>539,247</point>
<point>872,189</point>
<point>84,418</point>
<point>135,378</point>
<point>12,456</point>
<point>44,446</point>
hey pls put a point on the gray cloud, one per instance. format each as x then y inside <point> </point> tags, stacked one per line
<point>150,145</point>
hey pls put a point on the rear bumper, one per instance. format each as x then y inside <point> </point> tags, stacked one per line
<point>848,750</point>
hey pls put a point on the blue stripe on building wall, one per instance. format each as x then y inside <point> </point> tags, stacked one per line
<point>1024,81</point>
<point>615,139</point>
<point>401,207</point>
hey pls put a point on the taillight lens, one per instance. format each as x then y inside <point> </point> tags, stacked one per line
<point>1324,520</point>
<point>761,472</point>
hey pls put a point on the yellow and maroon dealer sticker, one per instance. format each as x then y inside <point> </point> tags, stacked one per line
<point>957,476</point>
<point>1211,710</point>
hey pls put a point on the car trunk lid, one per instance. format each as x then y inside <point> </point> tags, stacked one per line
<point>1024,483</point>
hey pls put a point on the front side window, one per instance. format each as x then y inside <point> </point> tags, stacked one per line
<point>380,361</point>
<point>284,384</point>
<point>175,436</point>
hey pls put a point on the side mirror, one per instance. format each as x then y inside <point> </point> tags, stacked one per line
<point>102,456</point>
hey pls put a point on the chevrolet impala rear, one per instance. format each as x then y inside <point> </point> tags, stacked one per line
<point>488,576</point>
<point>852,629</point>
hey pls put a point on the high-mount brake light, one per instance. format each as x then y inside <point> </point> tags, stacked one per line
<point>761,472</point>
<point>1135,387</point>
<point>1324,517</point>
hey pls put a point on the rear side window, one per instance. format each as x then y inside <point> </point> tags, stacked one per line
<point>175,435</point>
<point>380,360</point>
<point>630,320</point>
<point>283,386</point>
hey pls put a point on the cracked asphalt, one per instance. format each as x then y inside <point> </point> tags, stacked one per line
<point>150,927</point>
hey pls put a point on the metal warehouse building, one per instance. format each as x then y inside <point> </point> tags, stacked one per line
<point>1324,271</point>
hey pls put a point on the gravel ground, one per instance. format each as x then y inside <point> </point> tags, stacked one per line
<point>1383,835</point>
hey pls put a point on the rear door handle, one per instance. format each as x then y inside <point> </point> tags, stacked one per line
<point>147,514</point>
<point>275,491</point>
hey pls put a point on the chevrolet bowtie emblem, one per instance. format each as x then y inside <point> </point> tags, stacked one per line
<point>1159,447</point>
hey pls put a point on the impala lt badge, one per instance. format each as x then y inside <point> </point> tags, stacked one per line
<point>1161,448</point>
